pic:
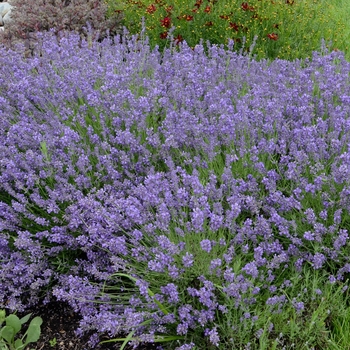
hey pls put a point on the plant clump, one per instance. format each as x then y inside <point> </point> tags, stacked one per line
<point>9,332</point>
<point>86,17</point>
<point>178,197</point>
<point>285,29</point>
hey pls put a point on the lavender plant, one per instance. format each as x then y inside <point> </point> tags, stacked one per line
<point>180,197</point>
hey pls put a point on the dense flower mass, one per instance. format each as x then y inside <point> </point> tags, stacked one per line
<point>159,193</point>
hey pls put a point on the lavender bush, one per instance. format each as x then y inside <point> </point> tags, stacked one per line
<point>199,201</point>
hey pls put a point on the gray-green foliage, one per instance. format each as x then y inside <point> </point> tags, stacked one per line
<point>33,16</point>
<point>12,327</point>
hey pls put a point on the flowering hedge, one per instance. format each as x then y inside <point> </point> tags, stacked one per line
<point>160,194</point>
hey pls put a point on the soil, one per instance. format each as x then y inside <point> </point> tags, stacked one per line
<point>59,323</point>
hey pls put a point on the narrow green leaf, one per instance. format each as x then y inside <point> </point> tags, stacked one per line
<point>7,333</point>
<point>160,305</point>
<point>115,340</point>
<point>150,293</point>
<point>125,275</point>
<point>25,318</point>
<point>157,339</point>
<point>14,322</point>
<point>127,339</point>
<point>165,338</point>
<point>44,149</point>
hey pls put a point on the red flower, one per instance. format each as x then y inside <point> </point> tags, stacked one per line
<point>186,17</point>
<point>209,24</point>
<point>178,39</point>
<point>151,8</point>
<point>166,22</point>
<point>169,9</point>
<point>198,3</point>
<point>207,9</point>
<point>273,36</point>
<point>234,26</point>
<point>289,2</point>
<point>163,35</point>
<point>246,7</point>
<point>224,17</point>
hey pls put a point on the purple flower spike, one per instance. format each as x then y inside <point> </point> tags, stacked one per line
<point>206,245</point>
